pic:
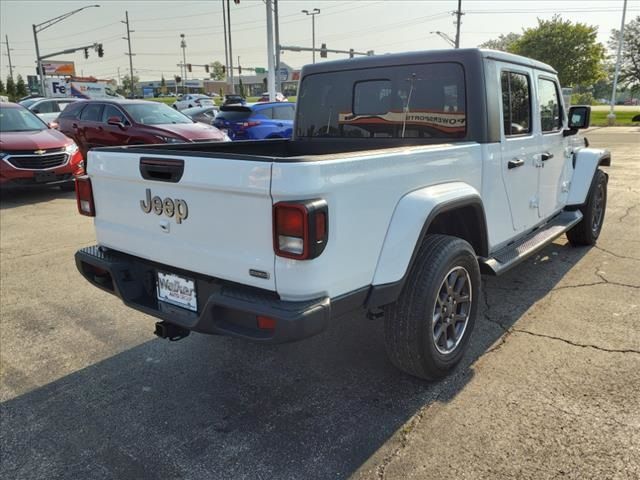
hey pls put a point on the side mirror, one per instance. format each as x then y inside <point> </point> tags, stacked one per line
<point>579,117</point>
<point>115,121</point>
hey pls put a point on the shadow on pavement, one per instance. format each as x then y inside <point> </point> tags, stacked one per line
<point>212,407</point>
<point>17,197</point>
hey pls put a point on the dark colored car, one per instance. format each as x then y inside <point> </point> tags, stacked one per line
<point>202,114</point>
<point>232,99</point>
<point>258,121</point>
<point>103,123</point>
<point>32,153</point>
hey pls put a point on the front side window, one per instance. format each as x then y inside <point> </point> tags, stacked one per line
<point>46,107</point>
<point>550,114</point>
<point>110,111</point>
<point>516,103</point>
<point>410,101</point>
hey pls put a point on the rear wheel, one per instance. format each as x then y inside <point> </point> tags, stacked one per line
<point>427,329</point>
<point>588,230</point>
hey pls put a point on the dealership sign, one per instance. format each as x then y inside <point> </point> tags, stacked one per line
<point>59,68</point>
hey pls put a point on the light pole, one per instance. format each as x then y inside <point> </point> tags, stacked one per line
<point>44,25</point>
<point>611,118</point>
<point>183,44</point>
<point>313,14</point>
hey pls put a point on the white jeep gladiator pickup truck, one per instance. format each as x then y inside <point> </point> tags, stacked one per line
<point>407,176</point>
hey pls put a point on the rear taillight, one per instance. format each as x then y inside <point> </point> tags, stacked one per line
<point>300,229</point>
<point>84,195</point>
<point>253,123</point>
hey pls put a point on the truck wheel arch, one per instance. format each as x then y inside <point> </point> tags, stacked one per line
<point>585,163</point>
<point>454,209</point>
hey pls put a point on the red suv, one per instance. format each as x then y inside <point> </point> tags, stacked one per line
<point>104,123</point>
<point>33,154</point>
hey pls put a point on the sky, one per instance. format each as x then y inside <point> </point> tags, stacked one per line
<point>383,26</point>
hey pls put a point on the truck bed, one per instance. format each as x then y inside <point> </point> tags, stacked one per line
<point>281,150</point>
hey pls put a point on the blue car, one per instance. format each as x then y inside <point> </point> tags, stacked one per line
<point>257,121</point>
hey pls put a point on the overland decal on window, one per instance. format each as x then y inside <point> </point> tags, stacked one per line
<point>445,121</point>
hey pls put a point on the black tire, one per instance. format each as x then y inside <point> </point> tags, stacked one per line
<point>68,186</point>
<point>410,323</point>
<point>588,230</point>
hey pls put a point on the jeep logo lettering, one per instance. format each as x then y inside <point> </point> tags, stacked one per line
<point>170,207</point>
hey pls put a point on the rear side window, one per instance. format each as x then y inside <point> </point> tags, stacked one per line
<point>47,107</point>
<point>263,113</point>
<point>91,112</point>
<point>408,101</point>
<point>516,103</point>
<point>284,112</point>
<point>72,110</point>
<point>550,115</point>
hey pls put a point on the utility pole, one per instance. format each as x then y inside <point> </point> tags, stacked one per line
<point>128,39</point>
<point>233,88</point>
<point>458,14</point>
<point>276,22</point>
<point>119,81</point>
<point>611,118</point>
<point>9,55</point>
<point>226,47</point>
<point>271,74</point>
<point>183,45</point>
<point>313,14</point>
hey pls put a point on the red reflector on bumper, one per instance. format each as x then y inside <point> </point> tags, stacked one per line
<point>266,323</point>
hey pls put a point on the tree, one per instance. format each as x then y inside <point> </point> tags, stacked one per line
<point>2,90</point>
<point>217,71</point>
<point>21,87</point>
<point>11,89</point>
<point>127,88</point>
<point>629,76</point>
<point>503,42</point>
<point>569,48</point>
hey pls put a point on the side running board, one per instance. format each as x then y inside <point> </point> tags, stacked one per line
<point>514,253</point>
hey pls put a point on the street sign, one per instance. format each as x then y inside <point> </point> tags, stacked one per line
<point>284,74</point>
<point>261,70</point>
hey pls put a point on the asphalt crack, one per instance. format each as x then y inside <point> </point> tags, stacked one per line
<point>617,255</point>
<point>626,214</point>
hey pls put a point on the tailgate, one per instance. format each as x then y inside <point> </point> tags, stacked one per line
<point>214,220</point>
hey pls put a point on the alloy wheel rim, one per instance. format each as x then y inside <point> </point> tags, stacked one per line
<point>451,310</point>
<point>598,209</point>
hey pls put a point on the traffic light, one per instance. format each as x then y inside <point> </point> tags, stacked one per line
<point>86,53</point>
<point>189,67</point>
<point>351,53</point>
<point>100,50</point>
<point>224,70</point>
<point>239,70</point>
<point>206,68</point>
<point>323,50</point>
<point>237,2</point>
<point>178,79</point>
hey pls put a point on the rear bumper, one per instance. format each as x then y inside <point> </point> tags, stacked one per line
<point>224,308</point>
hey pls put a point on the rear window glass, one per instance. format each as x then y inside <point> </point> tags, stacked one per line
<point>234,115</point>
<point>410,101</point>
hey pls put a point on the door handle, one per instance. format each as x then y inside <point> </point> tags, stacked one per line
<point>546,156</point>
<point>515,163</point>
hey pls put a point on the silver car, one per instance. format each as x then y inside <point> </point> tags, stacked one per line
<point>47,109</point>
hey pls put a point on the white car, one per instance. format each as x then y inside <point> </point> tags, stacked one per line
<point>407,176</point>
<point>192,100</point>
<point>48,109</point>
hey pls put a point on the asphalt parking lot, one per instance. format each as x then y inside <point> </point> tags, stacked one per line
<point>550,387</point>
